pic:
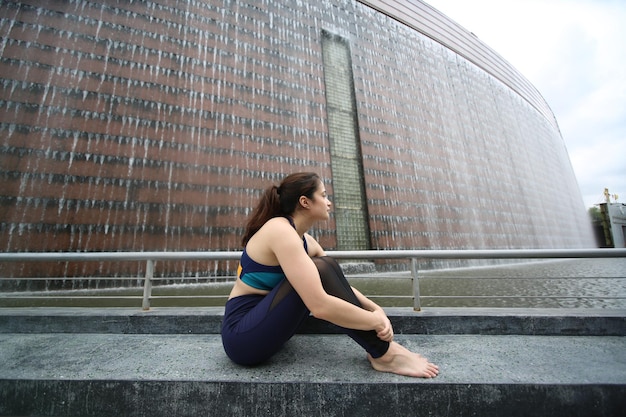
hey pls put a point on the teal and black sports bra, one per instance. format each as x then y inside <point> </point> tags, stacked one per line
<point>259,276</point>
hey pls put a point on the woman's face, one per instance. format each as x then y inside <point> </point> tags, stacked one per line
<point>319,205</point>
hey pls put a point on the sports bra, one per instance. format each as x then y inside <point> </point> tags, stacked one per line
<point>259,276</point>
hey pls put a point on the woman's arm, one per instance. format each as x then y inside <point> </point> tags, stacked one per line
<point>365,302</point>
<point>315,249</point>
<point>301,272</point>
<point>384,334</point>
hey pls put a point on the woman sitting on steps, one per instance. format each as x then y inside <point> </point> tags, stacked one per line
<point>284,276</point>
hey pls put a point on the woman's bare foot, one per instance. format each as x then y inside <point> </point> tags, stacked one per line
<point>399,360</point>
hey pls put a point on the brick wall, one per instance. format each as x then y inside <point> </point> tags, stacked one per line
<point>155,126</point>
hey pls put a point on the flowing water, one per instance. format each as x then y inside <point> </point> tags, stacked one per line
<point>571,283</point>
<point>160,133</point>
<point>580,283</point>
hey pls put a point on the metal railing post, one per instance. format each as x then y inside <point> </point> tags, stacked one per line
<point>147,285</point>
<point>417,305</point>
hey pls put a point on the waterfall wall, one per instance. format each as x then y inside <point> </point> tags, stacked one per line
<point>136,126</point>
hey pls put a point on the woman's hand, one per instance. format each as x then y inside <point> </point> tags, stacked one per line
<point>384,331</point>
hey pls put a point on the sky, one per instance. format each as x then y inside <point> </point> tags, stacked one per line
<point>574,53</point>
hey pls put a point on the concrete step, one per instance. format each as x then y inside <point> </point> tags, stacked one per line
<point>193,320</point>
<point>182,373</point>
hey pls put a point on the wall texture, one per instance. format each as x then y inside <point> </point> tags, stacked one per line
<point>155,125</point>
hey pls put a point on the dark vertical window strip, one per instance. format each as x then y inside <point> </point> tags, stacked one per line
<point>350,204</point>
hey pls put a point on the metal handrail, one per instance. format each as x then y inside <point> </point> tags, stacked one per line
<point>359,254</point>
<point>413,255</point>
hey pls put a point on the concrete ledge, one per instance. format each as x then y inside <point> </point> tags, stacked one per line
<point>487,321</point>
<point>199,398</point>
<point>314,375</point>
<point>170,362</point>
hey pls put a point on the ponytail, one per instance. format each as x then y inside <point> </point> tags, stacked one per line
<point>281,200</point>
<point>268,207</point>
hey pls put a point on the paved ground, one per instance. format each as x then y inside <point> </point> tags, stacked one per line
<point>463,359</point>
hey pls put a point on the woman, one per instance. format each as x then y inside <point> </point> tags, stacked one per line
<point>284,276</point>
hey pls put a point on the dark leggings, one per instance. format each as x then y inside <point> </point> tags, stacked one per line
<point>256,326</point>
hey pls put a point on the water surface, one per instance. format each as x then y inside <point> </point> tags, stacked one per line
<point>570,283</point>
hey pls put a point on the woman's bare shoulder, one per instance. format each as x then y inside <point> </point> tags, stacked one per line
<point>277,220</point>
<point>277,226</point>
<point>264,244</point>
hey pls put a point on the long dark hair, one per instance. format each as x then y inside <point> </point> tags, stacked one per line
<point>281,200</point>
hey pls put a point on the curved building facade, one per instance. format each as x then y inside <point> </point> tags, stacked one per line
<point>156,125</point>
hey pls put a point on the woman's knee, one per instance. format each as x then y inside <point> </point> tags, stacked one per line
<point>333,280</point>
<point>327,266</point>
